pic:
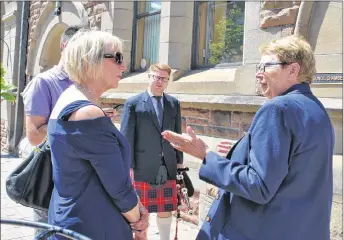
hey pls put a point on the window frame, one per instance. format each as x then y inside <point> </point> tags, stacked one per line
<point>195,37</point>
<point>136,17</point>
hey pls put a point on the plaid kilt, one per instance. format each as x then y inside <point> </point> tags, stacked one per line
<point>162,199</point>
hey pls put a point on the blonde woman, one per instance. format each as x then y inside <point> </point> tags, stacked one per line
<point>93,192</point>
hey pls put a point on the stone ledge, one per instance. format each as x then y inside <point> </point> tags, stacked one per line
<point>9,16</point>
<point>220,102</point>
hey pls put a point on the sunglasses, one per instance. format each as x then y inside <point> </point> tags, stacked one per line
<point>118,57</point>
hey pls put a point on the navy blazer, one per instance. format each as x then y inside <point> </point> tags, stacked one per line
<point>276,182</point>
<point>139,124</point>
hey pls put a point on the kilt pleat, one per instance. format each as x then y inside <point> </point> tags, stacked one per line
<point>163,199</point>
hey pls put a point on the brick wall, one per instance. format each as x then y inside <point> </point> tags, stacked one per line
<point>211,123</point>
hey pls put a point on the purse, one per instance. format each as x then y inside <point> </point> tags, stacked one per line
<point>31,183</point>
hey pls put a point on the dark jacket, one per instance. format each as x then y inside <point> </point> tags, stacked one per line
<point>276,182</point>
<point>139,124</point>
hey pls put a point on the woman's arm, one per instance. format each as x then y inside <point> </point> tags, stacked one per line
<point>133,215</point>
<point>102,150</point>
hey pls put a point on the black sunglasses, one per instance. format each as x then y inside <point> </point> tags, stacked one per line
<point>261,67</point>
<point>118,57</point>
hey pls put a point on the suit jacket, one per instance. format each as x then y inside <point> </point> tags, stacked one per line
<point>139,124</point>
<point>276,182</point>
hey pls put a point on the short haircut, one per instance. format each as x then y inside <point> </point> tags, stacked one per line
<point>69,33</point>
<point>83,55</point>
<point>160,67</point>
<point>293,49</point>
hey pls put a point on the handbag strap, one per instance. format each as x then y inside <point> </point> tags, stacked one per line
<point>68,110</point>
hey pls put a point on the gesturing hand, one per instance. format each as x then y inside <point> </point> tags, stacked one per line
<point>188,143</point>
<point>224,147</point>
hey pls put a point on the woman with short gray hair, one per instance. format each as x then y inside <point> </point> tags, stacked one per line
<point>93,192</point>
<point>276,181</point>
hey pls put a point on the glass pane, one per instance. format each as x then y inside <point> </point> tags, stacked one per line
<point>148,40</point>
<point>220,32</point>
<point>150,6</point>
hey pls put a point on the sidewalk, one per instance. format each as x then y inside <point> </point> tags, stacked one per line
<point>12,210</point>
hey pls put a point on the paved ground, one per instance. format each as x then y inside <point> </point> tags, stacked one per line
<point>187,231</point>
<point>11,210</point>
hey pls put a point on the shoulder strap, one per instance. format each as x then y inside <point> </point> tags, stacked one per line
<point>72,107</point>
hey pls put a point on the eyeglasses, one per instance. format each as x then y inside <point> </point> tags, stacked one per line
<point>261,66</point>
<point>157,78</point>
<point>118,57</point>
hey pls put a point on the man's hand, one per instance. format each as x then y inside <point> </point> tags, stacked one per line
<point>224,147</point>
<point>110,112</point>
<point>188,143</point>
<point>180,165</point>
<point>131,173</point>
<point>141,226</point>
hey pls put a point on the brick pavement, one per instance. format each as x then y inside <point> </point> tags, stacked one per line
<point>12,210</point>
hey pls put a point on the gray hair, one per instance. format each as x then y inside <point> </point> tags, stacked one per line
<point>83,55</point>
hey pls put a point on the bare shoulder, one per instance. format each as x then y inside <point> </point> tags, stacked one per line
<point>86,113</point>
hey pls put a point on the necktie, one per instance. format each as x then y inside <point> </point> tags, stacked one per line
<point>160,112</point>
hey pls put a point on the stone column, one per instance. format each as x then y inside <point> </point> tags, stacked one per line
<point>176,34</point>
<point>122,25</point>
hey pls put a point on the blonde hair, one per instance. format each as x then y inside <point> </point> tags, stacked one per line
<point>83,55</point>
<point>293,49</point>
<point>160,67</point>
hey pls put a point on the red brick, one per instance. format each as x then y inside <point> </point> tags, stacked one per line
<point>197,121</point>
<point>222,132</point>
<point>198,129</point>
<point>192,112</point>
<point>247,117</point>
<point>183,124</point>
<point>220,118</point>
<point>235,125</point>
<point>236,117</point>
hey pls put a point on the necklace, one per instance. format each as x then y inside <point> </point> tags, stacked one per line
<point>87,92</point>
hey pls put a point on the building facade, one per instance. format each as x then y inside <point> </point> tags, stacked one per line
<point>211,46</point>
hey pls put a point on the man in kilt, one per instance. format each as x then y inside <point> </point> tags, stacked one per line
<point>154,161</point>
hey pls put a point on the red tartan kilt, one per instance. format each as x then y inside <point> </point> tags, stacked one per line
<point>162,199</point>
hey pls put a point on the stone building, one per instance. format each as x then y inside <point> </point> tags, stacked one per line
<point>211,46</point>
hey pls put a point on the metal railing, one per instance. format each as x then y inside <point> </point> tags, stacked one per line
<point>50,230</point>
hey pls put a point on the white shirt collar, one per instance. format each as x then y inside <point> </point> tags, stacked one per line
<point>151,94</point>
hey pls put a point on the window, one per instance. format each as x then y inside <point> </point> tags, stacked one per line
<point>146,34</point>
<point>218,33</point>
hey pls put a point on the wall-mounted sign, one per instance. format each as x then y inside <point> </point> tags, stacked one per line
<point>328,78</point>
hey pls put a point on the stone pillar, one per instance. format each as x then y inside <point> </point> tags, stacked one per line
<point>264,21</point>
<point>122,25</point>
<point>176,34</point>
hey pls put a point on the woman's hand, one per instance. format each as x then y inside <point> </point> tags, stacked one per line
<point>140,226</point>
<point>188,143</point>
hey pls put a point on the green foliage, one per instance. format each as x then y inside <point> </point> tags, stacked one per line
<point>6,89</point>
<point>231,34</point>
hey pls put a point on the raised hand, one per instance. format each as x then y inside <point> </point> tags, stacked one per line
<point>188,143</point>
